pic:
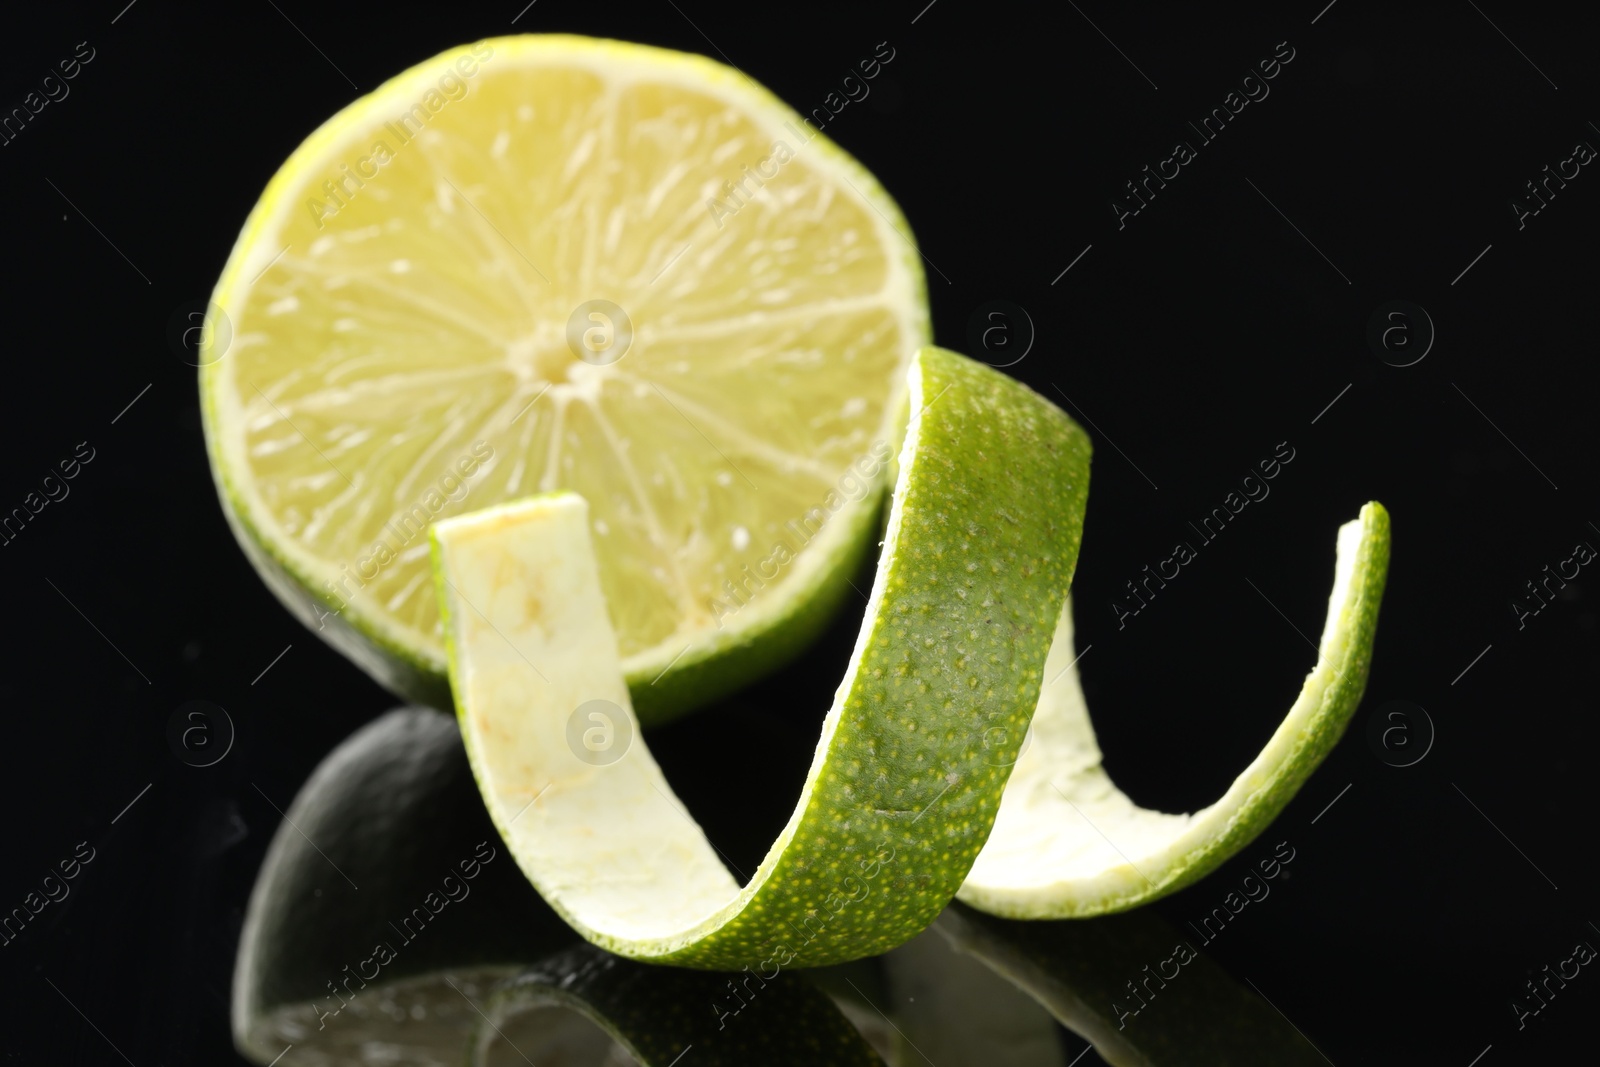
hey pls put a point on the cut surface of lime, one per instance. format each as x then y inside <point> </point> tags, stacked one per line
<point>982,537</point>
<point>551,263</point>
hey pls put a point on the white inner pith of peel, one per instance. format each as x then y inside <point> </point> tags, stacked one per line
<point>608,845</point>
<point>541,408</point>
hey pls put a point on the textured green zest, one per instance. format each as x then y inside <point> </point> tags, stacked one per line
<point>982,539</point>
<point>659,1015</point>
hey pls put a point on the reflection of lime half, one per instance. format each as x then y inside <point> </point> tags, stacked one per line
<point>543,263</point>
<point>394,811</point>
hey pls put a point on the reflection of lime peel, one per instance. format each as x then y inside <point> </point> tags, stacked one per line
<point>571,1007</point>
<point>1086,974</point>
<point>954,1006</point>
<point>978,553</point>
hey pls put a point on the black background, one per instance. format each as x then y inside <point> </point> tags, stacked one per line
<point>1195,339</point>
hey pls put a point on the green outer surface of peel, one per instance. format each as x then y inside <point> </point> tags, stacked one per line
<point>982,538</point>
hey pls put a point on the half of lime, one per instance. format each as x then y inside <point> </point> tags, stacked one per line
<point>550,263</point>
